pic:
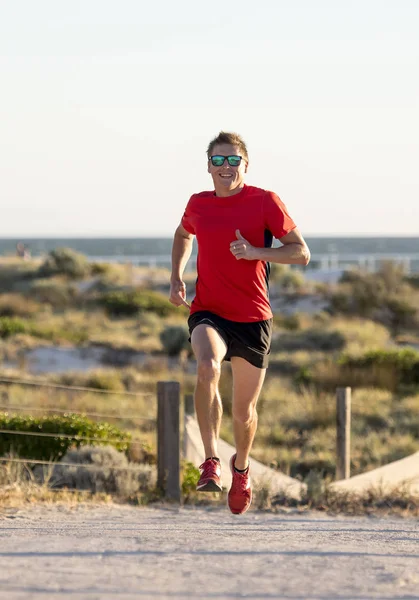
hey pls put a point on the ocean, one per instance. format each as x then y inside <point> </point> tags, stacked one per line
<point>114,247</point>
<point>328,254</point>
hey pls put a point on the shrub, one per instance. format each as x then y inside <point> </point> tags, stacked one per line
<point>11,326</point>
<point>287,278</point>
<point>132,302</point>
<point>383,296</point>
<point>360,298</point>
<point>110,381</point>
<point>16,274</point>
<point>16,305</point>
<point>310,339</point>
<point>53,448</point>
<point>113,473</point>
<point>403,364</point>
<point>400,314</point>
<point>55,293</point>
<point>100,379</point>
<point>361,334</point>
<point>100,268</point>
<point>174,339</point>
<point>190,477</point>
<point>65,261</point>
<point>413,280</point>
<point>330,374</point>
<point>290,322</point>
<point>303,377</point>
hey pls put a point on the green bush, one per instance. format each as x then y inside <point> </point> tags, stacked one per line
<point>286,277</point>
<point>290,322</point>
<point>100,268</point>
<point>310,339</point>
<point>101,379</point>
<point>56,334</point>
<point>401,314</point>
<point>16,275</point>
<point>65,261</point>
<point>303,377</point>
<point>53,448</point>
<point>55,293</point>
<point>132,302</point>
<point>109,380</point>
<point>403,364</point>
<point>384,296</point>
<point>190,478</point>
<point>174,339</point>
<point>11,326</point>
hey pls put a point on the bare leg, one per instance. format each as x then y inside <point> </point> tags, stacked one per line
<point>247,383</point>
<point>209,349</point>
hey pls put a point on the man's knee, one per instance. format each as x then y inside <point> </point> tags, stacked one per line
<point>208,371</point>
<point>245,415</point>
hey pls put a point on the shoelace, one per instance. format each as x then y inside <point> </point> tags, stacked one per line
<point>208,468</point>
<point>240,481</point>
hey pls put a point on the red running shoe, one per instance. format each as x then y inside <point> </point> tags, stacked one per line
<point>210,476</point>
<point>240,494</point>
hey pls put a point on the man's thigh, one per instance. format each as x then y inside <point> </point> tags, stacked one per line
<point>207,343</point>
<point>247,382</point>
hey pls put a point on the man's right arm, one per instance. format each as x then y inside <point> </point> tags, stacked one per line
<point>181,251</point>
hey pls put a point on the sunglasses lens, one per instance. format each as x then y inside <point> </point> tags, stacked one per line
<point>217,161</point>
<point>234,161</point>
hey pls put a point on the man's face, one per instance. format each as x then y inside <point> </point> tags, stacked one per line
<point>228,180</point>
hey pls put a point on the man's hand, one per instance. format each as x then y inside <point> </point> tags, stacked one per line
<point>241,248</point>
<point>178,293</point>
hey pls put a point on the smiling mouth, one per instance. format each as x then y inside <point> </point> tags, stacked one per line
<point>226,175</point>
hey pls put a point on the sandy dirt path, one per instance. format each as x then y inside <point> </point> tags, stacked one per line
<point>124,553</point>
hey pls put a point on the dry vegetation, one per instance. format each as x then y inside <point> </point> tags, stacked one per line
<point>66,302</point>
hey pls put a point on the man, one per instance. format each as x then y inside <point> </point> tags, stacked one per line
<point>230,316</point>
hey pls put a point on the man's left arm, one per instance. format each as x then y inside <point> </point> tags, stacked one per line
<point>294,250</point>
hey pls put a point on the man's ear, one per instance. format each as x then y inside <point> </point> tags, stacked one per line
<point>245,169</point>
<point>208,166</point>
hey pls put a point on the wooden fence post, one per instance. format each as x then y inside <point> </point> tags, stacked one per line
<point>188,411</point>
<point>343,433</point>
<point>168,439</point>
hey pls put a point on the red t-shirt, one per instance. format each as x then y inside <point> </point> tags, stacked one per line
<point>234,289</point>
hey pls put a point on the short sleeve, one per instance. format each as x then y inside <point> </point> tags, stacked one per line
<point>187,218</point>
<point>277,217</point>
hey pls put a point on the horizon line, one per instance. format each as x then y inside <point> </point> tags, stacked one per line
<point>75,236</point>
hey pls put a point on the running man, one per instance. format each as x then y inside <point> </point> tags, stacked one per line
<point>230,316</point>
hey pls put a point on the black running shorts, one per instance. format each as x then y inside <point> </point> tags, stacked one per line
<point>251,341</point>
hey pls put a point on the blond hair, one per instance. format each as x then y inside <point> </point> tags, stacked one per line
<point>234,139</point>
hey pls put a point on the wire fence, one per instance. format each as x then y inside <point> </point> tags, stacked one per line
<point>8,407</point>
<point>91,467</point>
<point>75,436</point>
<point>73,388</point>
<point>134,417</point>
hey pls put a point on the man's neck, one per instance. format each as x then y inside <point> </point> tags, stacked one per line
<point>223,193</point>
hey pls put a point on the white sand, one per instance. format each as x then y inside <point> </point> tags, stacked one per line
<point>126,552</point>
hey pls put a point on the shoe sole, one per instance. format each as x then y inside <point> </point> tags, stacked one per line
<point>210,486</point>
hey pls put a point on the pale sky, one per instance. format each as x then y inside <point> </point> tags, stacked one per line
<point>107,108</point>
